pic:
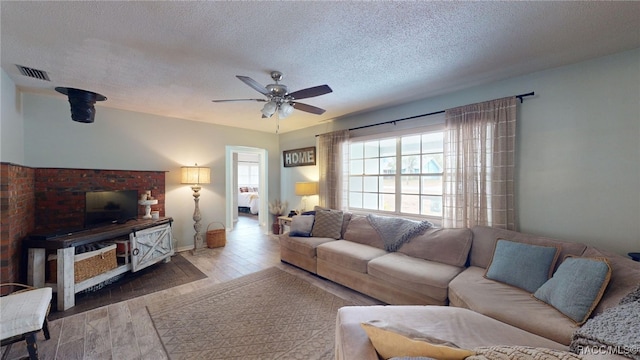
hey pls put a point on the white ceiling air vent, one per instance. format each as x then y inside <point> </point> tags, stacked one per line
<point>34,73</point>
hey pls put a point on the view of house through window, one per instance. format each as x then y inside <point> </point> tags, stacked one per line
<point>399,174</point>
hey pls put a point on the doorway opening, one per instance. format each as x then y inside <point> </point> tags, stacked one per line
<point>246,186</point>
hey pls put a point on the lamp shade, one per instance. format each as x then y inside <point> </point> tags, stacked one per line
<point>306,188</point>
<point>196,175</point>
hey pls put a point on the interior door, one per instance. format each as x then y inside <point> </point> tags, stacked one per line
<point>150,245</point>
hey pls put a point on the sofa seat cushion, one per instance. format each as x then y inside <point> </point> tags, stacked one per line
<point>510,305</point>
<point>303,245</point>
<point>466,329</point>
<point>349,255</point>
<point>427,277</point>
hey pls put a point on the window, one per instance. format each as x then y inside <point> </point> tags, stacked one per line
<point>401,174</point>
<point>248,174</point>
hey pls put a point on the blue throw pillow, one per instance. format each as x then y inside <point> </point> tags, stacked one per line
<point>576,287</point>
<point>301,225</point>
<point>522,265</point>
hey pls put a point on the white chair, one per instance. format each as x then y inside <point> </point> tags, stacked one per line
<point>23,313</point>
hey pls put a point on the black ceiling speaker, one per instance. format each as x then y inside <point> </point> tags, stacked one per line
<point>82,101</point>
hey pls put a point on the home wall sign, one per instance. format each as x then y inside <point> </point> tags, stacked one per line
<point>299,157</point>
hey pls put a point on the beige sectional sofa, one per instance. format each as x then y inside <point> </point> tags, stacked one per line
<point>444,267</point>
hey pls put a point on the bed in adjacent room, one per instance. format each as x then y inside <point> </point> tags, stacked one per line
<point>248,199</point>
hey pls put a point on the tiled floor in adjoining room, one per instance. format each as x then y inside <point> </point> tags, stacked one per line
<point>124,330</point>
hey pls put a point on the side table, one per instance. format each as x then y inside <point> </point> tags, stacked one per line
<point>282,221</point>
<point>635,256</point>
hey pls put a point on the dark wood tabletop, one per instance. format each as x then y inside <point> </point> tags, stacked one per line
<point>79,237</point>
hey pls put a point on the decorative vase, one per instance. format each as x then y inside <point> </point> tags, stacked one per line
<point>276,225</point>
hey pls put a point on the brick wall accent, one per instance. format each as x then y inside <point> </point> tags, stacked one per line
<point>60,192</point>
<point>49,199</point>
<point>17,217</point>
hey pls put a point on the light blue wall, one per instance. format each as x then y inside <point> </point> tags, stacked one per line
<point>125,140</point>
<point>578,159</point>
<point>11,122</point>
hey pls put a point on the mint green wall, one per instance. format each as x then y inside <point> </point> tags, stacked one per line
<point>578,159</point>
<point>125,140</point>
<point>11,124</point>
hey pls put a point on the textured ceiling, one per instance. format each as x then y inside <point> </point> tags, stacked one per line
<point>173,58</point>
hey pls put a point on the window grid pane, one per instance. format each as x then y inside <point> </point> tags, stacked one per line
<point>401,175</point>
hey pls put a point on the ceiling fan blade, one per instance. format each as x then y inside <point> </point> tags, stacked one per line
<point>254,84</point>
<point>311,92</point>
<point>308,108</point>
<point>229,100</point>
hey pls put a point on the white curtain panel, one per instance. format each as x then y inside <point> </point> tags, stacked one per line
<point>479,152</point>
<point>333,150</point>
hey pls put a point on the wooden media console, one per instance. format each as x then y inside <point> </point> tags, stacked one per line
<point>146,242</point>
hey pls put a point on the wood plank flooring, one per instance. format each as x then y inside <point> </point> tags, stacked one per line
<point>124,330</point>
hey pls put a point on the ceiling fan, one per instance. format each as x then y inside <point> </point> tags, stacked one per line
<point>279,99</point>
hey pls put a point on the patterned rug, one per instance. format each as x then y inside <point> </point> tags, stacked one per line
<point>270,314</point>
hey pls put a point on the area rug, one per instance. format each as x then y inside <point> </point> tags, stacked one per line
<point>160,276</point>
<point>270,314</point>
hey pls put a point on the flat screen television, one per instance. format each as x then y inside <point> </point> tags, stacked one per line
<point>102,207</point>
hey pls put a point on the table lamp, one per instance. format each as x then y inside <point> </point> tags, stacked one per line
<point>305,189</point>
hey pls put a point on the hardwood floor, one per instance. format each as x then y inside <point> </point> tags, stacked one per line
<point>124,330</point>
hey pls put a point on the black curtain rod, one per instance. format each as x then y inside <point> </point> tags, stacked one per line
<point>520,97</point>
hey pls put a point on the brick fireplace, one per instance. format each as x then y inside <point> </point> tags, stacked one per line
<point>50,199</point>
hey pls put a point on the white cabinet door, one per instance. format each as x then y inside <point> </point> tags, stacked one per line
<point>150,245</point>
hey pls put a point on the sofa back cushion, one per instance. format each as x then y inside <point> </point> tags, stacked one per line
<point>447,246</point>
<point>346,218</point>
<point>484,242</point>
<point>625,277</point>
<point>361,231</point>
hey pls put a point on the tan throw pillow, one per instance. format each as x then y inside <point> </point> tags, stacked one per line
<point>327,224</point>
<point>393,341</point>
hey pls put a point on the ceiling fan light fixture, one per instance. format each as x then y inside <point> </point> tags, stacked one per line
<point>279,99</point>
<point>285,110</point>
<point>268,109</point>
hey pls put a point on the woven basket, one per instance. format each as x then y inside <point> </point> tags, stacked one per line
<point>89,264</point>
<point>216,237</point>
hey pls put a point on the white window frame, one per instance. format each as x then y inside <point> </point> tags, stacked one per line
<point>253,169</point>
<point>397,135</point>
